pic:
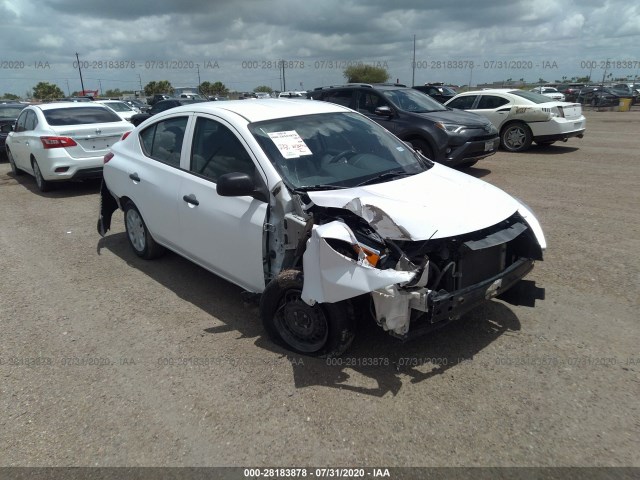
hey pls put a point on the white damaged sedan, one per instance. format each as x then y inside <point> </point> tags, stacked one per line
<point>524,117</point>
<point>320,211</point>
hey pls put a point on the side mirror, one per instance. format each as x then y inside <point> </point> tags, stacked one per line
<point>235,184</point>
<point>384,111</point>
<point>6,128</point>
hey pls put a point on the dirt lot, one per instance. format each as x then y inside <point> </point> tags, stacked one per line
<point>110,360</point>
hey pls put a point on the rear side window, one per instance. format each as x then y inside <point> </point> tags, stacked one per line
<point>341,97</point>
<point>31,121</point>
<point>488,102</point>
<point>80,116</point>
<point>162,141</point>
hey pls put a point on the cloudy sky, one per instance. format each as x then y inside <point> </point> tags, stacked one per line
<point>125,43</point>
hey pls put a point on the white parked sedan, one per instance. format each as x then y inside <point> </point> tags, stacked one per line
<point>321,211</point>
<point>523,117</point>
<point>63,141</point>
<point>123,109</point>
<point>550,92</point>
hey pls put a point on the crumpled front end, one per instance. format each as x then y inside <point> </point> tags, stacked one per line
<point>416,286</point>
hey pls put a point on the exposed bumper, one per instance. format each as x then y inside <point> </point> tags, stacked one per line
<point>394,306</point>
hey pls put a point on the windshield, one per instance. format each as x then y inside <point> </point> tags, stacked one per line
<point>531,96</point>
<point>10,112</point>
<point>411,100</point>
<point>334,150</point>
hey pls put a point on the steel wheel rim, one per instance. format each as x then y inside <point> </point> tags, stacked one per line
<point>135,230</point>
<point>301,326</point>
<point>515,137</point>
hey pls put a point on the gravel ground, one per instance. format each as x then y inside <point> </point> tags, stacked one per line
<point>110,360</point>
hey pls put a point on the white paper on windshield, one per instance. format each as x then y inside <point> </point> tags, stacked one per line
<point>290,144</point>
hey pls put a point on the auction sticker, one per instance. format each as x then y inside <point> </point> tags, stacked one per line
<point>290,144</point>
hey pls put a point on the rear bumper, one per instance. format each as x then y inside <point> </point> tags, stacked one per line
<point>69,168</point>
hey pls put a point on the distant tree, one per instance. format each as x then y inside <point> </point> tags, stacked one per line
<point>366,74</point>
<point>263,88</point>
<point>47,91</point>
<point>113,93</point>
<point>542,80</point>
<point>10,96</point>
<point>216,88</point>
<point>581,79</point>
<point>153,87</point>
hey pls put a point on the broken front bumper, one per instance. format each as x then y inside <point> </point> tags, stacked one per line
<point>394,305</point>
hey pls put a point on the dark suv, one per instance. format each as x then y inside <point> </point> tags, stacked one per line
<point>451,137</point>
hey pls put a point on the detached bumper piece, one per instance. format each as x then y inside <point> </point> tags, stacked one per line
<point>108,205</point>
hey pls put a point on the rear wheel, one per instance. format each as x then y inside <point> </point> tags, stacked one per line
<point>516,137</point>
<point>325,329</point>
<point>138,234</point>
<point>14,168</point>
<point>43,185</point>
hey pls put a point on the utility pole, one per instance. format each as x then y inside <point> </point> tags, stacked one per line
<point>413,64</point>
<point>68,89</point>
<point>198,67</point>
<point>80,70</point>
<point>100,83</point>
<point>284,82</point>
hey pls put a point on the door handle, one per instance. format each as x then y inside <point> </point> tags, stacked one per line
<point>191,199</point>
<point>134,177</point>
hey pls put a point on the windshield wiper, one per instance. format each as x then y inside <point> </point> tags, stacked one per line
<point>313,188</point>
<point>385,176</point>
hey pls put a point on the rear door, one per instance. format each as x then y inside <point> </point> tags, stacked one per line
<point>495,107</point>
<point>153,177</point>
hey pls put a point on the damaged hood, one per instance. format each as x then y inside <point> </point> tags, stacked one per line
<point>438,203</point>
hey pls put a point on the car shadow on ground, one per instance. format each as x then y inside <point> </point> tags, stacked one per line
<point>554,149</point>
<point>376,363</point>
<point>477,172</point>
<point>73,188</point>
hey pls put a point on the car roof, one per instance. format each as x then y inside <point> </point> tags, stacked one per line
<point>265,109</point>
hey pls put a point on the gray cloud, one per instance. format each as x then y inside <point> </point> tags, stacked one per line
<point>318,37</point>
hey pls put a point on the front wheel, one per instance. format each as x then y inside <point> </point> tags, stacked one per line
<point>14,168</point>
<point>138,234</point>
<point>516,137</point>
<point>321,330</point>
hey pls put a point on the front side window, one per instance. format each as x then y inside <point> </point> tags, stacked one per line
<point>162,141</point>
<point>463,103</point>
<point>216,151</point>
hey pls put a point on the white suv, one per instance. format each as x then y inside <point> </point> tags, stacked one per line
<point>321,211</point>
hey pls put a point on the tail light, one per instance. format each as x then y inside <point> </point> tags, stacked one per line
<point>126,134</point>
<point>57,142</point>
<point>108,157</point>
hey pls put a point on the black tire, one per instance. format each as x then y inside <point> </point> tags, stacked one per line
<point>138,234</point>
<point>321,330</point>
<point>14,168</point>
<point>42,184</point>
<point>423,147</point>
<point>516,137</point>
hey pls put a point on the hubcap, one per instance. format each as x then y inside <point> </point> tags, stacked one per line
<point>302,326</point>
<point>516,137</point>
<point>135,229</point>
